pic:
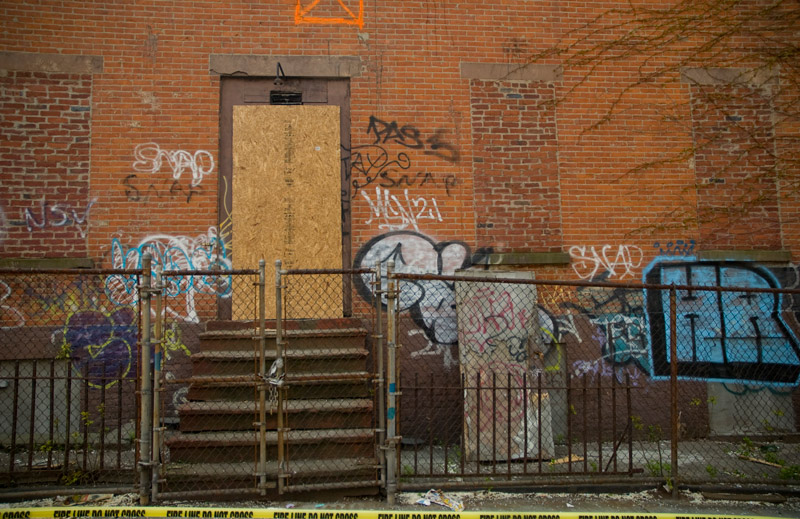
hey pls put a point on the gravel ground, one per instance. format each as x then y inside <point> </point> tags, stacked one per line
<point>651,501</point>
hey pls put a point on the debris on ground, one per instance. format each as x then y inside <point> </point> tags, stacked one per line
<point>440,498</point>
<point>84,499</point>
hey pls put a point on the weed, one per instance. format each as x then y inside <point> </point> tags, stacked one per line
<point>658,468</point>
<point>790,472</point>
<point>746,447</point>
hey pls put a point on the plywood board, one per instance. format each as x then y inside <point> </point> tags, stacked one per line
<point>287,195</point>
<point>499,347</point>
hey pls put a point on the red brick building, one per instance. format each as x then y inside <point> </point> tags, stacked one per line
<point>519,127</point>
<point>651,140</point>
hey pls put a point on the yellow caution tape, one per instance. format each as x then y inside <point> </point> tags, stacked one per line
<point>292,513</point>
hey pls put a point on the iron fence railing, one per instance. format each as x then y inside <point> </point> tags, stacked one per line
<point>68,378</point>
<point>394,379</point>
<point>519,380</point>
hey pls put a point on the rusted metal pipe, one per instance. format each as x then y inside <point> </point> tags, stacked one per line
<point>146,409</point>
<point>262,373</point>
<point>673,390</point>
<point>391,424</point>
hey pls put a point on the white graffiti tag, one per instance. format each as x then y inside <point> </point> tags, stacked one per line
<point>58,216</point>
<point>10,317</point>
<point>204,252</point>
<point>619,262</point>
<point>398,213</point>
<point>150,157</point>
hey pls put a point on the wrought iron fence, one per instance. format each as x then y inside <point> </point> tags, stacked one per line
<point>68,377</point>
<point>484,378</point>
<point>505,379</point>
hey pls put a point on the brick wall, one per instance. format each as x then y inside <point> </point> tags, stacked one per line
<point>45,129</point>
<point>735,167</point>
<point>515,157</point>
<point>153,149</point>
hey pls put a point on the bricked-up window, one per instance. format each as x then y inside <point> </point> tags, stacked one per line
<point>737,195</point>
<point>517,196</point>
<point>44,164</point>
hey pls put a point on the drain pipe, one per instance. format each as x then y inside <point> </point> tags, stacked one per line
<point>146,389</point>
<point>390,449</point>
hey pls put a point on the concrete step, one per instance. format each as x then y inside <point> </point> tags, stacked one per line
<point>248,340</point>
<point>355,384</point>
<point>302,476</point>
<point>335,323</point>
<point>228,362</point>
<point>347,413</point>
<point>219,447</point>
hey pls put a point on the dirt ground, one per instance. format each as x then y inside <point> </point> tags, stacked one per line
<point>649,501</point>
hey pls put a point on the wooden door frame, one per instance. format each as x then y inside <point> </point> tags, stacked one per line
<point>236,90</point>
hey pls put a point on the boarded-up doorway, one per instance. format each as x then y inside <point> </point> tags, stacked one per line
<point>246,92</point>
<point>286,189</point>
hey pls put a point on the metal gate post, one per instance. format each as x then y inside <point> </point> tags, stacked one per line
<point>673,358</point>
<point>380,381</point>
<point>157,359</point>
<point>390,449</point>
<point>262,373</point>
<point>282,473</point>
<point>146,394</point>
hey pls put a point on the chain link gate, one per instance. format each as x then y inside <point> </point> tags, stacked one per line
<point>327,381</point>
<point>207,342</point>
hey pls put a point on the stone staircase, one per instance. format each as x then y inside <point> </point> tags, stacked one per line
<point>330,437</point>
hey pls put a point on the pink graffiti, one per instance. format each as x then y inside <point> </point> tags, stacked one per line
<point>498,401</point>
<point>489,314</point>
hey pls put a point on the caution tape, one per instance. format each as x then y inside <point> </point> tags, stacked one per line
<point>273,513</point>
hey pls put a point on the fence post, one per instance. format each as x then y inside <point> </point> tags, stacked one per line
<point>379,371</point>
<point>262,373</point>
<point>390,449</point>
<point>282,473</point>
<point>675,416</point>
<point>146,394</point>
<point>157,359</point>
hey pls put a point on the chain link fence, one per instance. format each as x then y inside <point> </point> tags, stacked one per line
<point>206,382</point>
<point>505,380</point>
<point>481,379</point>
<point>68,378</point>
<point>328,395</point>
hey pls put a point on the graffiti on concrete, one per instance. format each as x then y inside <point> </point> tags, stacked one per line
<point>203,252</point>
<point>431,303</point>
<point>101,345</point>
<point>619,324</point>
<point>10,316</point>
<point>726,336</point>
